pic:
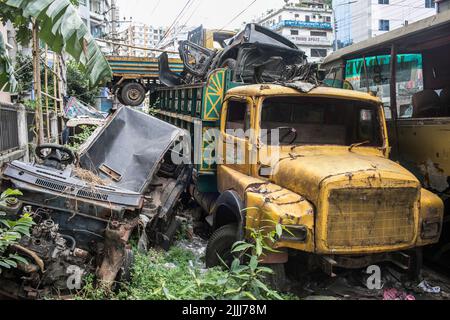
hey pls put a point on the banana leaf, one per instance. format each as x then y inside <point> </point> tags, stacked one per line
<point>62,29</point>
<point>7,80</point>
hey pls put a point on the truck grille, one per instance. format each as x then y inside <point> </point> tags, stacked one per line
<point>363,217</point>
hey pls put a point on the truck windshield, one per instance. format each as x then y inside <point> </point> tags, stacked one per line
<point>320,121</point>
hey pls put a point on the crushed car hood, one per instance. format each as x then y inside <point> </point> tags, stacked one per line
<point>129,149</point>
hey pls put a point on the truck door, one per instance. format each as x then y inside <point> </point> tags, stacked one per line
<point>235,134</point>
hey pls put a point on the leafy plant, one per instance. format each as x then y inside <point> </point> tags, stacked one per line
<point>179,275</point>
<point>81,137</point>
<point>11,232</point>
<point>78,84</point>
<point>8,81</point>
<point>62,29</point>
<point>251,275</point>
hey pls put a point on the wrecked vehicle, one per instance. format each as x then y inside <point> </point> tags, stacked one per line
<point>255,55</point>
<point>418,100</point>
<point>327,179</point>
<point>86,211</point>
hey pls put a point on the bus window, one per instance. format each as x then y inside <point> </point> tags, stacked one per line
<point>409,78</point>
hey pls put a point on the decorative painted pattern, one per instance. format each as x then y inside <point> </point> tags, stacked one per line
<point>214,94</point>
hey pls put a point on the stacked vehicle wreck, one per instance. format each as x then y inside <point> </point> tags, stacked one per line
<point>340,200</point>
<point>331,185</point>
<point>85,210</point>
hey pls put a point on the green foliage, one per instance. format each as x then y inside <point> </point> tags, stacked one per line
<point>24,72</point>
<point>78,84</point>
<point>7,78</point>
<point>82,137</point>
<point>11,232</point>
<point>62,29</point>
<point>179,275</point>
<point>252,275</point>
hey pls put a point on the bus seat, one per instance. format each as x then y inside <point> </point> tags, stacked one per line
<point>445,100</point>
<point>426,104</point>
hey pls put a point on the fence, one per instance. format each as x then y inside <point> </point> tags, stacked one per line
<point>17,132</point>
<point>9,134</point>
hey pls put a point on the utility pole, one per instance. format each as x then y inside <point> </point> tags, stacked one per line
<point>37,84</point>
<point>114,25</point>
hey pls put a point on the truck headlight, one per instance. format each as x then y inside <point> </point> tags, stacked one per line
<point>295,233</point>
<point>431,228</point>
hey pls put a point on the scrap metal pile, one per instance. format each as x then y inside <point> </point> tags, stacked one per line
<point>255,55</point>
<point>85,211</point>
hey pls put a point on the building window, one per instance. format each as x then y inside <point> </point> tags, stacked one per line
<point>297,16</point>
<point>294,32</point>
<point>383,25</point>
<point>328,19</point>
<point>429,4</point>
<point>318,53</point>
<point>307,18</point>
<point>318,34</point>
<point>383,1</point>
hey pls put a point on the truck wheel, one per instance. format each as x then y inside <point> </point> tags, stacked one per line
<point>220,244</point>
<point>277,280</point>
<point>132,94</point>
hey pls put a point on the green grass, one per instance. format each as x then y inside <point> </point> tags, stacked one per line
<point>173,275</point>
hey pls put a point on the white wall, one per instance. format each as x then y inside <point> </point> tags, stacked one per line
<point>366,15</point>
<point>397,12</point>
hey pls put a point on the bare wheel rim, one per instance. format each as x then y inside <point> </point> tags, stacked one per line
<point>133,94</point>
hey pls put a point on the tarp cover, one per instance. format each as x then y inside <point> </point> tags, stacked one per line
<point>131,144</point>
<point>75,109</point>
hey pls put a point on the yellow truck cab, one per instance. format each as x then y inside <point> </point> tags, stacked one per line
<point>326,177</point>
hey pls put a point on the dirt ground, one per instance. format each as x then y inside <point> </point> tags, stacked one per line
<point>351,285</point>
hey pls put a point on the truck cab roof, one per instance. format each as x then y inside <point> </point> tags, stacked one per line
<point>258,90</point>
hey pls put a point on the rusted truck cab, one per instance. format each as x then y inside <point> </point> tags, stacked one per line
<point>327,179</point>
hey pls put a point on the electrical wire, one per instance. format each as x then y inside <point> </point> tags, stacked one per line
<point>234,18</point>
<point>174,22</point>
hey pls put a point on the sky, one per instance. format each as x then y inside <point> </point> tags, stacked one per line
<point>211,13</point>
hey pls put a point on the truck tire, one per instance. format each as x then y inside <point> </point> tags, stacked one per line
<point>132,94</point>
<point>220,244</point>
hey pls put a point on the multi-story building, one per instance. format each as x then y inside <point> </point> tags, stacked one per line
<point>172,39</point>
<point>97,16</point>
<point>358,20</point>
<point>307,23</point>
<point>140,35</point>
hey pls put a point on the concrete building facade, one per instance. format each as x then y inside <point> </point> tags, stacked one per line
<point>140,35</point>
<point>358,20</point>
<point>307,23</point>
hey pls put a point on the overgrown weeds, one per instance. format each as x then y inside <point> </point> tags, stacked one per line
<point>179,275</point>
